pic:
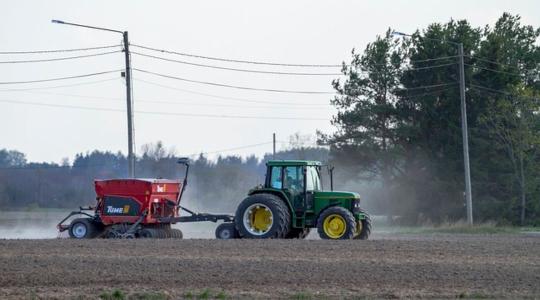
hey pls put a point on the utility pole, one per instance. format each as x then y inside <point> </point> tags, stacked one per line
<point>464,128</point>
<point>465,135</point>
<point>131,155</point>
<point>273,146</point>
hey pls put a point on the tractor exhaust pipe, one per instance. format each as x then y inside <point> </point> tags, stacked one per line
<point>183,161</point>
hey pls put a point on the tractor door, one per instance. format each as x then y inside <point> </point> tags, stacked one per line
<point>294,187</point>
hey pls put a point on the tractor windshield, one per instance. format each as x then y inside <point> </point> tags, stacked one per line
<point>313,182</point>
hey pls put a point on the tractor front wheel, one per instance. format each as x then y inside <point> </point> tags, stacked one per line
<point>83,228</point>
<point>363,229</point>
<point>336,223</point>
<point>263,216</point>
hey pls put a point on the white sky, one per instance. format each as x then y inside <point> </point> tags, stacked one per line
<point>309,32</point>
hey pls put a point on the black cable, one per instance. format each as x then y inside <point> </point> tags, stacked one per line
<point>228,98</point>
<point>497,71</point>
<point>58,50</point>
<point>165,113</point>
<point>181,102</point>
<point>60,78</point>
<point>235,69</point>
<point>57,59</point>
<point>425,86</point>
<point>58,86</point>
<point>430,67</point>
<point>230,86</point>
<point>480,88</point>
<point>236,60</point>
<point>230,149</point>
<point>491,61</point>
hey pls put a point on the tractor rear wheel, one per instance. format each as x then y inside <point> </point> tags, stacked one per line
<point>298,233</point>
<point>83,228</point>
<point>263,216</point>
<point>336,223</point>
<point>226,231</point>
<point>363,227</point>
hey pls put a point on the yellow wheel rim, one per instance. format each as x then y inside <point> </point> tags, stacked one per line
<point>258,219</point>
<point>334,226</point>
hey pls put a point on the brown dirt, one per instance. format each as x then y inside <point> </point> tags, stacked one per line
<point>433,266</point>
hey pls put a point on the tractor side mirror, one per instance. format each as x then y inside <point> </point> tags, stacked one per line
<point>183,161</point>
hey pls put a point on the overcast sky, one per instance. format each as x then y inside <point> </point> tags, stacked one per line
<point>298,32</point>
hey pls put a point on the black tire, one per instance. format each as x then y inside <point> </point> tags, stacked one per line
<point>83,228</point>
<point>366,227</point>
<point>281,217</point>
<point>298,233</point>
<point>176,233</point>
<point>350,223</point>
<point>226,231</point>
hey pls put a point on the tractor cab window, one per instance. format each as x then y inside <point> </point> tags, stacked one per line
<point>294,178</point>
<point>313,182</point>
<point>275,178</point>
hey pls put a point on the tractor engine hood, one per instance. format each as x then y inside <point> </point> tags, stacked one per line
<point>336,195</point>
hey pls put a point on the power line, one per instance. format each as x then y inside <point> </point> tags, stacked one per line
<point>425,86</point>
<point>231,86</point>
<point>180,102</point>
<point>165,113</point>
<point>58,86</point>
<point>229,98</point>
<point>433,59</point>
<point>60,78</point>
<point>57,59</point>
<point>430,67</point>
<point>235,69</point>
<point>236,60</point>
<point>497,71</point>
<point>491,61</point>
<point>58,50</point>
<point>231,149</point>
<point>480,87</point>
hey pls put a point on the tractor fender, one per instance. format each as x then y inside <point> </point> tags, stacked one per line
<point>279,194</point>
<point>325,208</point>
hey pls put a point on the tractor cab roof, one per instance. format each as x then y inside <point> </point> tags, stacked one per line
<point>281,163</point>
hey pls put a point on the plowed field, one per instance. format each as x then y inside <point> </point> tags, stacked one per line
<point>387,266</point>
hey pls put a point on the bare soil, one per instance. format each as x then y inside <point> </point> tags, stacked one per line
<point>388,266</point>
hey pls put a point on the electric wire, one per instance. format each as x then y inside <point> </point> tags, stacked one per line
<point>177,102</point>
<point>163,113</point>
<point>490,61</point>
<point>480,88</point>
<point>61,78</point>
<point>236,60</point>
<point>497,71</point>
<point>57,59</point>
<point>424,87</point>
<point>59,50</point>
<point>235,69</point>
<point>230,86</point>
<point>58,86</point>
<point>237,99</point>
<point>231,149</point>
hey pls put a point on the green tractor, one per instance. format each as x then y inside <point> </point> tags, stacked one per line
<point>292,201</point>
